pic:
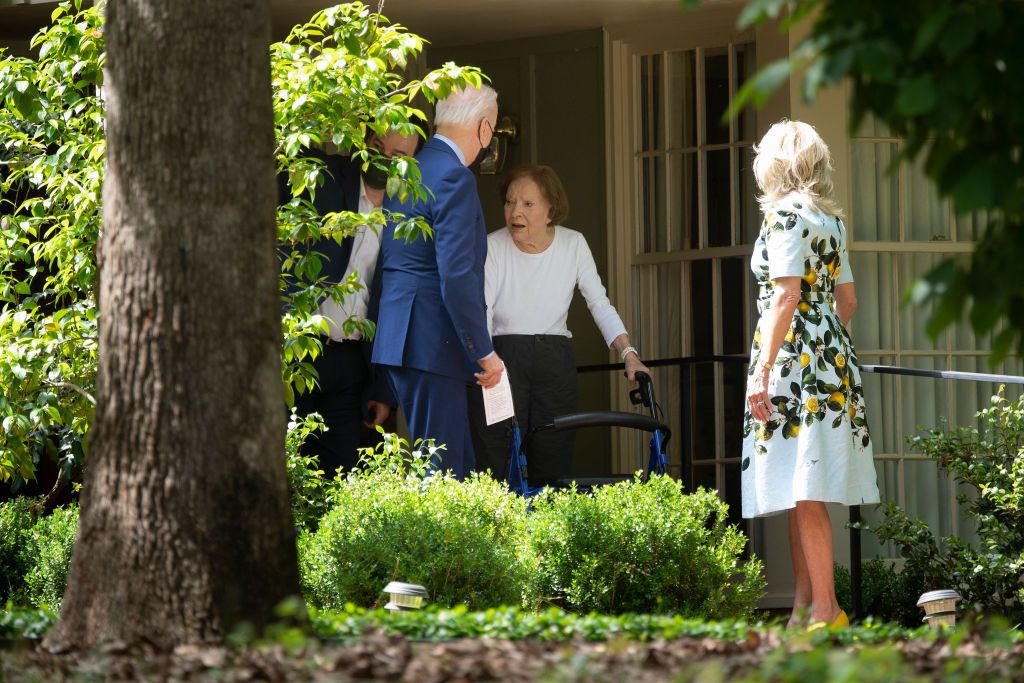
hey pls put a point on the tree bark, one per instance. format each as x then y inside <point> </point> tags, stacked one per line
<point>185,529</point>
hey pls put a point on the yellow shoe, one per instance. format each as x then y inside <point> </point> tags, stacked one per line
<point>841,621</point>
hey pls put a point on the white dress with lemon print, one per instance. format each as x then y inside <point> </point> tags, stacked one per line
<point>816,444</point>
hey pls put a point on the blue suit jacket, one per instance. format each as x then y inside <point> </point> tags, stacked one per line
<point>432,314</point>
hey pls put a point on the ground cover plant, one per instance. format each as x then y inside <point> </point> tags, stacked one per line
<point>508,644</point>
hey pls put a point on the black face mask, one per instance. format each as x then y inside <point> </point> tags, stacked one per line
<point>480,156</point>
<point>484,151</point>
<point>376,178</point>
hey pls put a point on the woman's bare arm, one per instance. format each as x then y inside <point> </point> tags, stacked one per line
<point>775,323</point>
<point>846,302</point>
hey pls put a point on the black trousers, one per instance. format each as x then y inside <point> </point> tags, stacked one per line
<point>542,371</point>
<point>340,400</point>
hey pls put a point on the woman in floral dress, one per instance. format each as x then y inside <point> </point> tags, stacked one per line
<point>805,436</point>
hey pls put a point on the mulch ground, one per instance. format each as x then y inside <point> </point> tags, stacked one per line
<point>380,657</point>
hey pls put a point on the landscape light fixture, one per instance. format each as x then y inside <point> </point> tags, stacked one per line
<point>404,596</point>
<point>939,608</point>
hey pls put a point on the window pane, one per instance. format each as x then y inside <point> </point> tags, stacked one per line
<point>875,193</point>
<point>700,305</point>
<point>733,494</point>
<point>718,207</point>
<point>963,336</point>
<point>924,399</point>
<point>669,323</point>
<point>703,402</point>
<point>655,229</point>
<point>880,401</point>
<point>749,211</point>
<point>734,377</point>
<point>925,215</point>
<point>651,136</point>
<point>716,95</point>
<point>734,337</point>
<point>912,317</point>
<point>683,100</point>
<point>971,227</point>
<point>889,488</point>
<point>872,127</point>
<point>746,65</point>
<point>873,325</point>
<point>684,201</point>
<point>704,475</point>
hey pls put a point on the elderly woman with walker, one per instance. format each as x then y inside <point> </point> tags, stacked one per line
<point>534,266</point>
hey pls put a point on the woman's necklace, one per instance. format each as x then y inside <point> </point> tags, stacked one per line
<point>540,245</point>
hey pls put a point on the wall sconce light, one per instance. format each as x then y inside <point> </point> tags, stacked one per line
<point>506,132</point>
<point>939,608</point>
<point>404,597</point>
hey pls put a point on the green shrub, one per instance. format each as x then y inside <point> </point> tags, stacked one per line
<point>464,541</point>
<point>35,552</point>
<point>310,490</point>
<point>990,462</point>
<point>887,593</point>
<point>643,547</point>
<point>49,548</point>
<point>16,520</point>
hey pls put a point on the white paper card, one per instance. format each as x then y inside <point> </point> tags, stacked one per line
<point>498,401</point>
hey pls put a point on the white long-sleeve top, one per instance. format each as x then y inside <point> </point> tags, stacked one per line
<point>531,293</point>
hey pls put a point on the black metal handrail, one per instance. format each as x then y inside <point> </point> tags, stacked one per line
<point>684,364</point>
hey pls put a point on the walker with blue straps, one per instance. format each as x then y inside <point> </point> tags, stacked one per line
<point>657,463</point>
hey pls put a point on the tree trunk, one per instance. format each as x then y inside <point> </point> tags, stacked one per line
<point>185,527</point>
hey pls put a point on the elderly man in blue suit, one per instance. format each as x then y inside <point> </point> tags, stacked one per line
<point>432,335</point>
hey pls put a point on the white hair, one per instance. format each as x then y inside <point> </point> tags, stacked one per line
<point>792,159</point>
<point>465,107</point>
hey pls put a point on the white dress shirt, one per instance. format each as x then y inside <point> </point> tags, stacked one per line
<point>531,293</point>
<point>363,262</point>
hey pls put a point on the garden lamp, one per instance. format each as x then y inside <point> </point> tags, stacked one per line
<point>404,596</point>
<point>939,608</point>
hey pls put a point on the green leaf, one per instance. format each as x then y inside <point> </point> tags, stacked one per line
<point>974,191</point>
<point>933,24</point>
<point>917,97</point>
<point>985,313</point>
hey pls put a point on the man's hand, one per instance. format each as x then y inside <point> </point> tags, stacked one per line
<point>492,369</point>
<point>379,411</point>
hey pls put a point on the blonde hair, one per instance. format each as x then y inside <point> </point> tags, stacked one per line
<point>792,159</point>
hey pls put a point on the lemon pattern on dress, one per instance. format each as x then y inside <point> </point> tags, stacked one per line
<point>817,435</point>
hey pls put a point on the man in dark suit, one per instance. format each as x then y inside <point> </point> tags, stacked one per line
<point>432,336</point>
<point>349,396</point>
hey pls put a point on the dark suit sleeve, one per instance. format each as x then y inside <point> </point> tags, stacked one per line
<point>455,237</point>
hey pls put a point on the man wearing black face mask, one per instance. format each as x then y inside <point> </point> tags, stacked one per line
<point>348,396</point>
<point>432,336</point>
